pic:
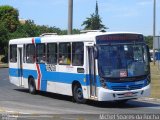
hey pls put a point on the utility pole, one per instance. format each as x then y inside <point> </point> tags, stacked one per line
<point>154,30</point>
<point>70,16</point>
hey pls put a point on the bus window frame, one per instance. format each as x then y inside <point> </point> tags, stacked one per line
<point>62,54</point>
<point>56,54</point>
<point>34,55</point>
<point>10,53</point>
<point>77,54</point>
<point>43,60</point>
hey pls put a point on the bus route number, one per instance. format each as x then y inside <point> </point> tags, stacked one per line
<point>50,67</point>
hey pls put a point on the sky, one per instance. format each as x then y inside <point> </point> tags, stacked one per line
<point>117,15</point>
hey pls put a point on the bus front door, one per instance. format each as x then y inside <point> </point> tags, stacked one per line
<point>20,71</point>
<point>92,72</point>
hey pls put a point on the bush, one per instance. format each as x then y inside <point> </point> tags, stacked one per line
<point>4,59</point>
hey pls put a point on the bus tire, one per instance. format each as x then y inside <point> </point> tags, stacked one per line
<point>31,86</point>
<point>78,94</point>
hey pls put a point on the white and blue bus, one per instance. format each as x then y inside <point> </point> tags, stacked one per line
<point>100,66</point>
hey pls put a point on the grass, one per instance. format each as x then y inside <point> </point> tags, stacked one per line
<point>155,81</point>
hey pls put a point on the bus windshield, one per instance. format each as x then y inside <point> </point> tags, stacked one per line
<point>123,60</point>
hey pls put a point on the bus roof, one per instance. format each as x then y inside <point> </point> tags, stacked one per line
<point>85,37</point>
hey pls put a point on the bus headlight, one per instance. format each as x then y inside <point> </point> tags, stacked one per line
<point>103,83</point>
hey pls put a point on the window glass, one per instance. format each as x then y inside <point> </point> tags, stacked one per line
<point>13,53</point>
<point>30,53</point>
<point>52,53</point>
<point>64,53</point>
<point>123,60</point>
<point>77,53</point>
<point>40,53</point>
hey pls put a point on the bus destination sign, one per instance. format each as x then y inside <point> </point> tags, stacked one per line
<point>119,38</point>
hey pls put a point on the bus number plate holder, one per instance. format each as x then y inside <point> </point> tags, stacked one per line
<point>128,94</point>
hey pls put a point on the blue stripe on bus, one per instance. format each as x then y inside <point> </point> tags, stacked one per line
<point>43,77</point>
<point>14,72</point>
<point>37,40</point>
<point>52,76</point>
<point>68,78</point>
<point>27,73</point>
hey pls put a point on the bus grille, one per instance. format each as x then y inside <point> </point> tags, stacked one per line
<point>126,87</point>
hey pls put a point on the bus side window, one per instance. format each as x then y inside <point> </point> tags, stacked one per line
<point>13,53</point>
<point>40,53</point>
<point>77,53</point>
<point>64,53</point>
<point>30,53</point>
<point>52,53</point>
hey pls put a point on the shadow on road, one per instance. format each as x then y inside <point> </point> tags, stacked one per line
<point>113,104</point>
<point>129,104</point>
<point>48,94</point>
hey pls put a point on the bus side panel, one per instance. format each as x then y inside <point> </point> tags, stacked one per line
<point>61,80</point>
<point>60,88</point>
<point>64,85</point>
<point>29,70</point>
<point>13,67</point>
<point>13,74</point>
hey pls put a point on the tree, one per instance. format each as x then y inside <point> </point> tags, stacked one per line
<point>8,24</point>
<point>9,16</point>
<point>149,41</point>
<point>11,28</point>
<point>3,38</point>
<point>30,29</point>
<point>94,22</point>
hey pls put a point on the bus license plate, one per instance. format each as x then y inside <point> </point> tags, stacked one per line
<point>128,94</point>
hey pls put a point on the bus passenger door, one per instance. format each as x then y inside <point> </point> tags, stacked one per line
<point>92,73</point>
<point>20,68</point>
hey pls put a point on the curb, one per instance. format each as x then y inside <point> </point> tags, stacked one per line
<point>3,65</point>
<point>2,110</point>
<point>150,99</point>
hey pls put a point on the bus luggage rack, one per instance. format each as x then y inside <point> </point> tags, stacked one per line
<point>126,87</point>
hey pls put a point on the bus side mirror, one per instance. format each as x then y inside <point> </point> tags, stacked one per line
<point>95,52</point>
<point>149,57</point>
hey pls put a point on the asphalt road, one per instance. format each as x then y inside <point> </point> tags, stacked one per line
<point>18,101</point>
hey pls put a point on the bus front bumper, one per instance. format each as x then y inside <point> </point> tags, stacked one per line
<point>110,95</point>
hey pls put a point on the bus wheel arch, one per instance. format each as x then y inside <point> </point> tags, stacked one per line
<point>77,92</point>
<point>31,85</point>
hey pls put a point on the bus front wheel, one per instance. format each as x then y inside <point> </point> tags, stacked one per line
<point>31,85</point>
<point>78,94</point>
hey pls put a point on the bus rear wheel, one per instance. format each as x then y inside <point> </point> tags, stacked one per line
<point>78,94</point>
<point>31,85</point>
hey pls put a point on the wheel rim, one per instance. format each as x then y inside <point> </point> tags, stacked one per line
<point>31,87</point>
<point>79,94</point>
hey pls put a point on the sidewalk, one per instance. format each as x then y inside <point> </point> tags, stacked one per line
<point>149,99</point>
